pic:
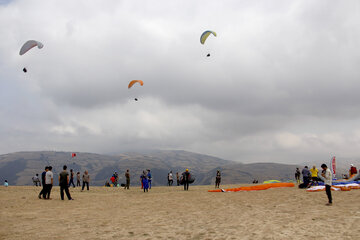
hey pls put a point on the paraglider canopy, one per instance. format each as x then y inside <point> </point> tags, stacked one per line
<point>24,70</point>
<point>135,99</point>
<point>205,35</point>
<point>29,45</point>
<point>271,181</point>
<point>208,55</point>
<point>135,81</point>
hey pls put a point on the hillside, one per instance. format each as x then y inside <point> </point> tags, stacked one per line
<point>18,168</point>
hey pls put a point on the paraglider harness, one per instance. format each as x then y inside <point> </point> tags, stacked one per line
<point>190,178</point>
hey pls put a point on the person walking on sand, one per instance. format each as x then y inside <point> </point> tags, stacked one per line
<point>149,178</point>
<point>71,178</point>
<point>78,184</point>
<point>171,180</point>
<point>314,175</point>
<point>186,179</point>
<point>43,174</point>
<point>49,181</point>
<point>64,183</point>
<point>178,178</point>
<point>297,175</point>
<point>145,181</point>
<point>217,179</point>
<point>86,180</point>
<point>6,184</point>
<point>127,177</point>
<point>326,173</point>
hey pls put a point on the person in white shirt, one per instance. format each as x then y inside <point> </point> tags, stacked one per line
<point>328,182</point>
<point>49,181</point>
<point>36,180</point>
<point>171,178</point>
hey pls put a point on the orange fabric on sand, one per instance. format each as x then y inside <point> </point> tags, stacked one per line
<point>256,187</point>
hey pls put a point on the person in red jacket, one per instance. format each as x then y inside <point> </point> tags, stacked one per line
<point>352,170</point>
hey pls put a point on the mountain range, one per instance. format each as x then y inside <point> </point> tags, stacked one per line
<point>18,168</point>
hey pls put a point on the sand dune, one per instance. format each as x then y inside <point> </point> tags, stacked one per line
<point>171,213</point>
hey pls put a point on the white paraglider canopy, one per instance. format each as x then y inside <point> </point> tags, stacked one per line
<point>29,45</point>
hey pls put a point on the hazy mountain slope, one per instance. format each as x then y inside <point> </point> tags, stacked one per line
<point>18,168</point>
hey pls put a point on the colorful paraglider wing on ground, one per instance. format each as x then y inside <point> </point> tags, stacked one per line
<point>271,181</point>
<point>205,35</point>
<point>135,81</point>
<point>255,188</point>
<point>29,45</point>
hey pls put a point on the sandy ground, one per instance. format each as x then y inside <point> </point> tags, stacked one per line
<point>171,213</point>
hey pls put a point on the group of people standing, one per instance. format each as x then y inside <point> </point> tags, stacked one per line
<point>311,177</point>
<point>146,179</point>
<point>65,181</point>
<point>184,179</point>
<point>47,179</point>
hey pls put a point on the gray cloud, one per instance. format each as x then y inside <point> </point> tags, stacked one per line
<point>281,83</point>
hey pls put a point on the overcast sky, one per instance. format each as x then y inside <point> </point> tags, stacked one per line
<point>282,83</point>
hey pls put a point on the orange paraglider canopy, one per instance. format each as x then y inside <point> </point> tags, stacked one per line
<point>255,188</point>
<point>135,81</point>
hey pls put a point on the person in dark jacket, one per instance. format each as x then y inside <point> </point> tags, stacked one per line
<point>71,178</point>
<point>145,181</point>
<point>64,183</point>
<point>78,184</point>
<point>43,181</point>
<point>178,178</point>
<point>127,176</point>
<point>186,178</point>
<point>149,178</point>
<point>306,176</point>
<point>217,179</point>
